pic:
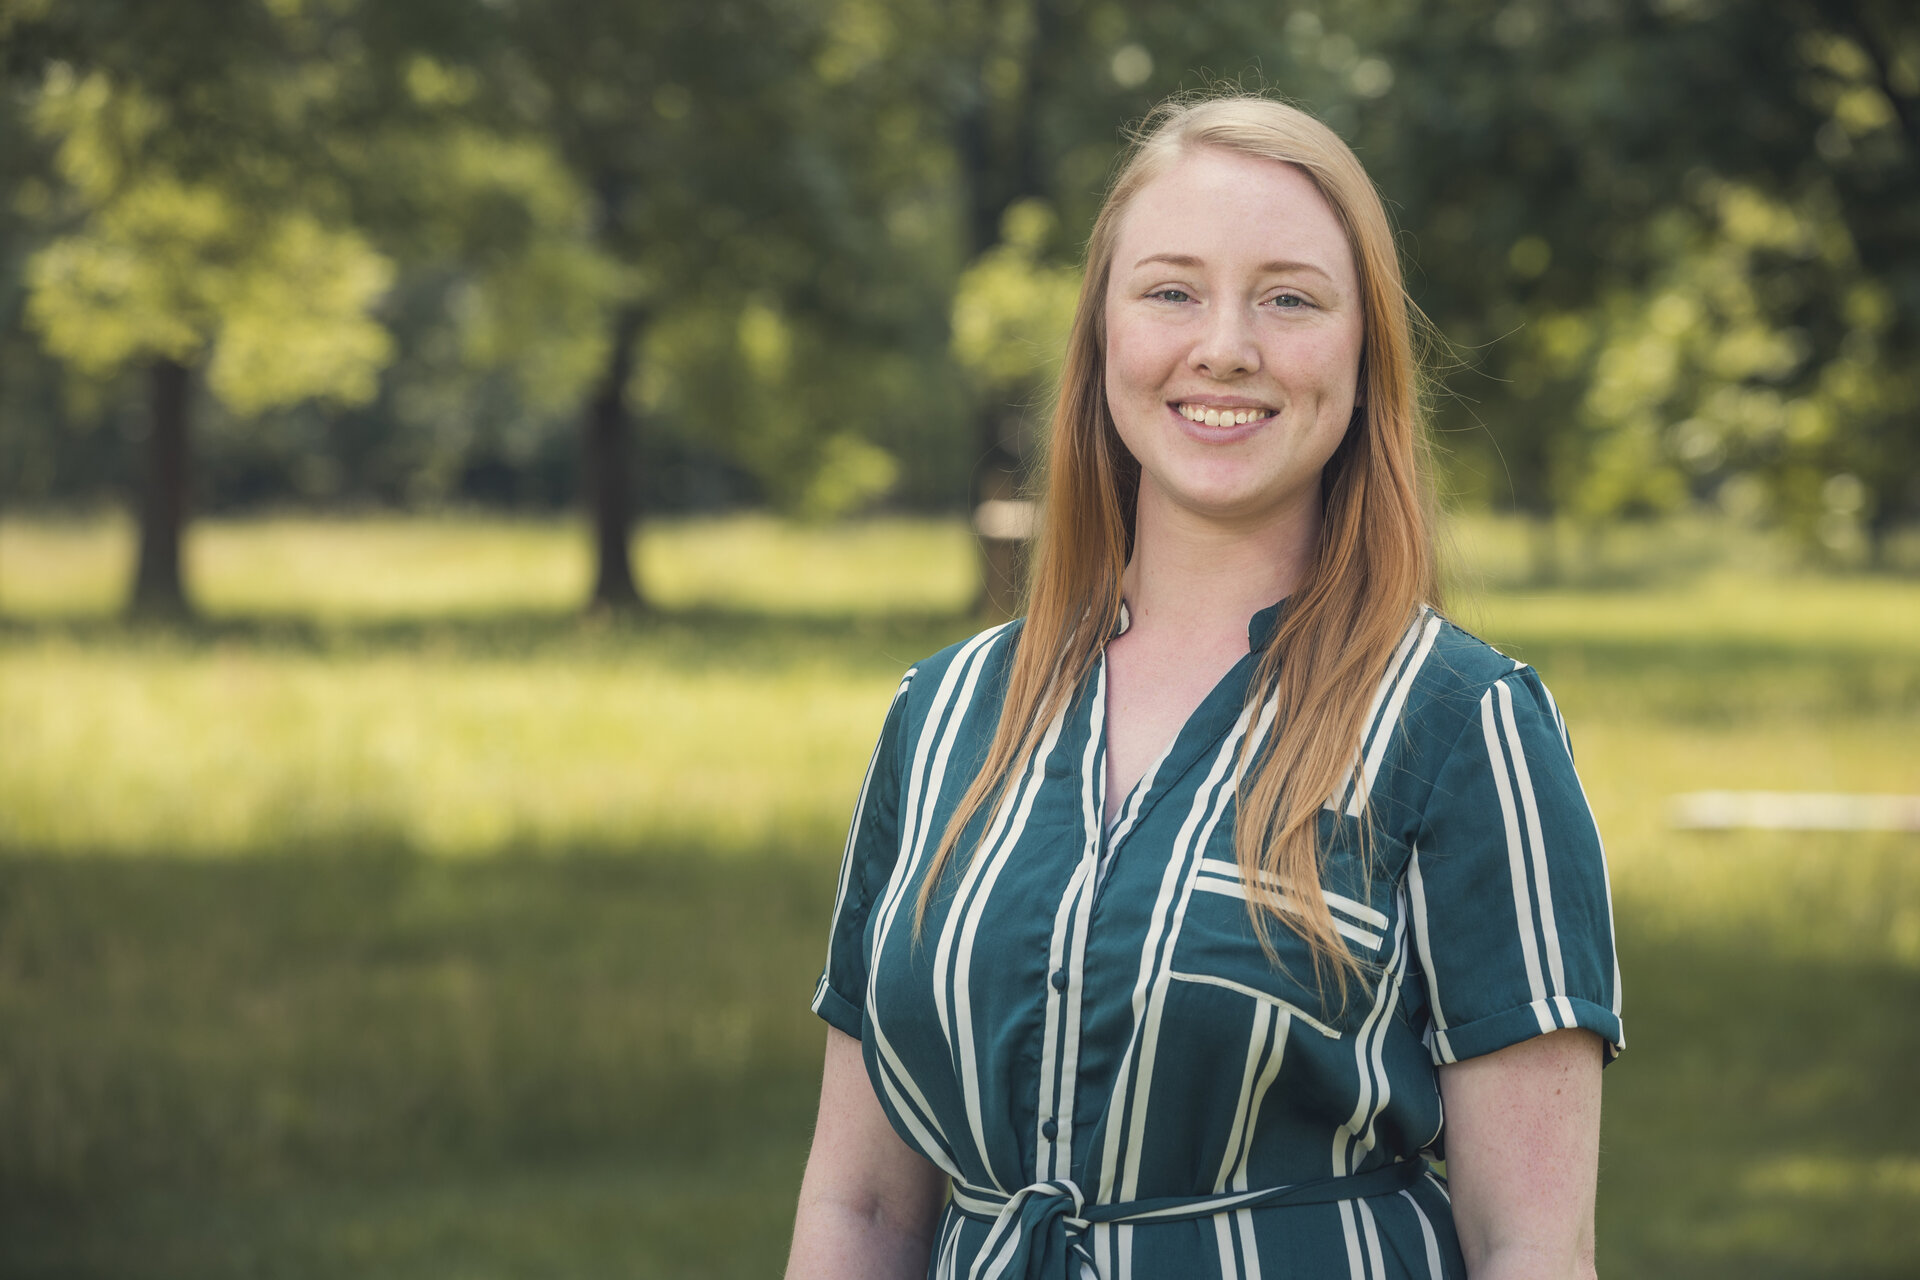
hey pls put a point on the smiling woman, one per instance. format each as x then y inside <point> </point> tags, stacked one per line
<point>1232,375</point>
<point>1172,912</point>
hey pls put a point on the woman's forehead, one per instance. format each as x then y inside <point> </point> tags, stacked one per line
<point>1215,209</point>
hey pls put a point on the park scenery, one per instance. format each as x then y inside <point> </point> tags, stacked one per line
<point>472,475</point>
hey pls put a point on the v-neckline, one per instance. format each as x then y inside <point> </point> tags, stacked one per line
<point>1173,761</point>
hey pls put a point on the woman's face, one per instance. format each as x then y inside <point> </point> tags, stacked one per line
<point>1234,327</point>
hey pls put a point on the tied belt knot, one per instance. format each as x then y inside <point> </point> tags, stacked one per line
<point>1040,1231</point>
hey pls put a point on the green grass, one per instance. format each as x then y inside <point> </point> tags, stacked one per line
<point>395,569</point>
<point>393,922</point>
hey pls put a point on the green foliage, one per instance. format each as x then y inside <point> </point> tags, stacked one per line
<point>1012,309</point>
<point>275,302</point>
<point>800,409</point>
<point>510,225</point>
<point>1671,244</point>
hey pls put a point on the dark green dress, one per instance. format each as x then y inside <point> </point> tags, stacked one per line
<point>1088,1038</point>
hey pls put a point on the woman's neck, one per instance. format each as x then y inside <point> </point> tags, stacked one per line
<point>1208,577</point>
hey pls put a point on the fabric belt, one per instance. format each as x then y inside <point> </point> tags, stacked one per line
<point>1039,1231</point>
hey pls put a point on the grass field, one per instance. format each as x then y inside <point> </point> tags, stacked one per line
<point>393,922</point>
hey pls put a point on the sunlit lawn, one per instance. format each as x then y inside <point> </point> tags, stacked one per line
<point>393,922</point>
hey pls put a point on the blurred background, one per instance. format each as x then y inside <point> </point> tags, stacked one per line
<point>472,473</point>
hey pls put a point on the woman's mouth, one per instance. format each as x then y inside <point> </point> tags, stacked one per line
<point>1209,415</point>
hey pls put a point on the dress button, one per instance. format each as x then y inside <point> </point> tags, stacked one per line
<point>1050,1130</point>
<point>1059,979</point>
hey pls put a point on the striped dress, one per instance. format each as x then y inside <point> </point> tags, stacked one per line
<point>1087,1036</point>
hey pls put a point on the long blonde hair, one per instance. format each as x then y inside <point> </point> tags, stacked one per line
<point>1371,571</point>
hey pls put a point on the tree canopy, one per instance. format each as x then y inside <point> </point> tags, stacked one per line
<point>820,252</point>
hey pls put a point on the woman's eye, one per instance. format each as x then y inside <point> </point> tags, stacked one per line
<point>1289,301</point>
<point>1171,295</point>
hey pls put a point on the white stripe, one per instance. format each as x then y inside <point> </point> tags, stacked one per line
<point>1149,958</point>
<point>1606,879</point>
<point>1234,1148</point>
<point>1058,1051</point>
<point>1003,846</point>
<point>916,815</point>
<point>1067,949</point>
<point>1375,1088</point>
<point>1383,734</point>
<point>1249,1243</point>
<point>1387,678</point>
<point>1559,721</point>
<point>1426,1234</point>
<point>1187,847</point>
<point>1542,884</point>
<point>995,1256</point>
<point>1396,969</point>
<point>1235,889</point>
<point>853,828</point>
<point>1267,997</point>
<point>1223,1242</point>
<point>1339,902</point>
<point>1356,1266</point>
<point>1345,1136</point>
<point>1376,1261</point>
<point>894,1078</point>
<point>1070,1048</point>
<point>1516,864</point>
<point>950,1248</point>
<point>1417,894</point>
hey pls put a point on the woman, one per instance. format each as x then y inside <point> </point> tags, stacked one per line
<point>1172,915</point>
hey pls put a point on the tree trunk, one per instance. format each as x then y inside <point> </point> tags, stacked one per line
<point>608,471</point>
<point>996,172</point>
<point>158,590</point>
<point>997,477</point>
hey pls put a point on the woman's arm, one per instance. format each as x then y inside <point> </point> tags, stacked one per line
<point>1523,1154</point>
<point>869,1203</point>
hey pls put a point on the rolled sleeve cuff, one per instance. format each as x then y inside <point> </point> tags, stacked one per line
<point>839,1012</point>
<point>1509,1027</point>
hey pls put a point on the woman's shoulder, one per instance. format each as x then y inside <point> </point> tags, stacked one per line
<point>1447,672</point>
<point>1446,697</point>
<point>982,656</point>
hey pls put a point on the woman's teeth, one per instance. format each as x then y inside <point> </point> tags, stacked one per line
<point>1221,417</point>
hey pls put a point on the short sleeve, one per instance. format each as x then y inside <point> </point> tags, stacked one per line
<point>1507,885</point>
<point>873,840</point>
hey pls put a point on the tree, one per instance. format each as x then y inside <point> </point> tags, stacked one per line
<point>1677,244</point>
<point>673,120</point>
<point>179,275</point>
<point>198,235</point>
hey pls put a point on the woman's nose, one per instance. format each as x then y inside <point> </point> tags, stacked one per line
<point>1226,347</point>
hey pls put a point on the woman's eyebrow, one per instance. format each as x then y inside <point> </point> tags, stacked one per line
<point>1266,268</point>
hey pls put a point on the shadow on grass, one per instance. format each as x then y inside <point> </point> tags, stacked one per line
<point>1751,1126</point>
<point>238,1023</point>
<point>378,1064</point>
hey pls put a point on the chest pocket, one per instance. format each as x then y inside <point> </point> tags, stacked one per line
<point>1217,946</point>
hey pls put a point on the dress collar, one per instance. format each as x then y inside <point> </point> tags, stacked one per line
<point>1265,625</point>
